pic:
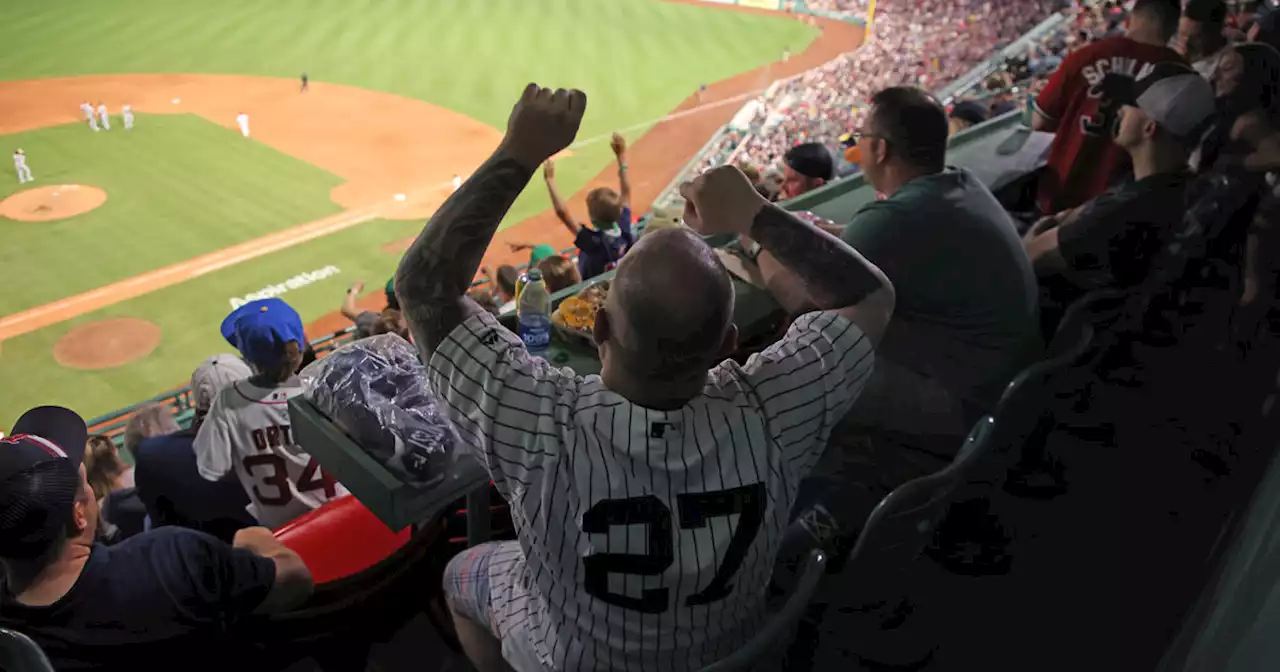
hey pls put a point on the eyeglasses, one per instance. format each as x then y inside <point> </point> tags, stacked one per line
<point>852,139</point>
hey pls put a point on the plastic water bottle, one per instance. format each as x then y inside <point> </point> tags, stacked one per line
<point>533,310</point>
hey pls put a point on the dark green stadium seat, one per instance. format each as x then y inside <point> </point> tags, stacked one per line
<point>974,538</point>
<point>343,618</point>
<point>19,654</point>
<point>777,630</point>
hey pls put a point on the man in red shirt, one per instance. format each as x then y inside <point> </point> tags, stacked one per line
<point>1083,161</point>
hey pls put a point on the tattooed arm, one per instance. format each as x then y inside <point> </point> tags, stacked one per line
<point>436,272</point>
<point>799,259</point>
<point>810,261</point>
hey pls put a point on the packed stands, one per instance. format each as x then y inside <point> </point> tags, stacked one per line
<point>921,44</point>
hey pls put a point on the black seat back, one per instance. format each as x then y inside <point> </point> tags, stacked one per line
<point>19,654</point>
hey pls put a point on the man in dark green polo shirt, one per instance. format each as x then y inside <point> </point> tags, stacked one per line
<point>966,321</point>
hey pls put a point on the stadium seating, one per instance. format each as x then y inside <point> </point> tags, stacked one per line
<point>779,625</point>
<point>365,540</point>
<point>19,654</point>
<point>346,615</point>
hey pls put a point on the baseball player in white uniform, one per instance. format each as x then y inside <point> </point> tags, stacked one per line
<point>87,108</point>
<point>104,117</point>
<point>20,165</point>
<point>247,429</point>
<point>127,113</point>
<point>649,502</point>
<point>242,120</point>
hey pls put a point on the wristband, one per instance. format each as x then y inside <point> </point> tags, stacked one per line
<point>622,165</point>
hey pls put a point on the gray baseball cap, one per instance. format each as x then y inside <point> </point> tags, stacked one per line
<point>214,374</point>
<point>1171,93</point>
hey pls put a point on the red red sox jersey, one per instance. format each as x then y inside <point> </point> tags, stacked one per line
<point>247,430</point>
<point>1083,160</point>
<point>647,537</point>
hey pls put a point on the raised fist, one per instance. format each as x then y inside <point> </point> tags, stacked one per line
<point>721,200</point>
<point>543,123</point>
<point>549,169</point>
<point>618,143</point>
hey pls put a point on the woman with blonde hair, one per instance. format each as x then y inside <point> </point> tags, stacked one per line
<point>104,469</point>
<point>123,512</point>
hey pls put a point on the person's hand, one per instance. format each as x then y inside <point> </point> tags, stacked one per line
<point>516,247</point>
<point>549,170</point>
<point>619,144</point>
<point>721,200</point>
<point>543,123</point>
<point>254,539</point>
<point>357,287</point>
<point>1043,224</point>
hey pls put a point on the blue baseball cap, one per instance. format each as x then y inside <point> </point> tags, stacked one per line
<point>259,330</point>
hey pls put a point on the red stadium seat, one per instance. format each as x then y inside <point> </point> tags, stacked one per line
<point>340,539</point>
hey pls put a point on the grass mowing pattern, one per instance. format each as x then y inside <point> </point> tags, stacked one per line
<point>177,187</point>
<point>636,59</point>
<point>189,315</point>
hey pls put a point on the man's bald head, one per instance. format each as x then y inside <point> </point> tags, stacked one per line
<point>670,307</point>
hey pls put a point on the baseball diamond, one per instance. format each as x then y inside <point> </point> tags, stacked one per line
<point>219,175</point>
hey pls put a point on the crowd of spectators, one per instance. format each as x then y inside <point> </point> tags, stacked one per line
<point>923,44</point>
<point>909,320</point>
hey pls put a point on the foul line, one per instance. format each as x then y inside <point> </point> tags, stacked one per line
<point>70,307</point>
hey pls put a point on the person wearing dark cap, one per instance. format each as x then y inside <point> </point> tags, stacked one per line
<point>965,319</point>
<point>1200,37</point>
<point>965,114</point>
<point>165,595</point>
<point>806,167</point>
<point>248,429</point>
<point>1110,240</point>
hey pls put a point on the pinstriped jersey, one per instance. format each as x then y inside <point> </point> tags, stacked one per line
<point>648,537</point>
<point>247,430</point>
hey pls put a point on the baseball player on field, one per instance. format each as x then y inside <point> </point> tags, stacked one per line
<point>649,501</point>
<point>242,120</point>
<point>20,165</point>
<point>87,108</point>
<point>127,113</point>
<point>104,117</point>
<point>247,429</point>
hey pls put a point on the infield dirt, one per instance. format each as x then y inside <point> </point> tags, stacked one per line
<point>415,149</point>
<point>51,203</point>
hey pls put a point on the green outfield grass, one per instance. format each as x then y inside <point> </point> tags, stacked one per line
<point>637,59</point>
<point>189,315</point>
<point>177,187</point>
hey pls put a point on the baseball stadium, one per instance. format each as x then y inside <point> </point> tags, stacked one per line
<point>1024,244</point>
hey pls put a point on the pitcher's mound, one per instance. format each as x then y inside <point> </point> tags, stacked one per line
<point>46,204</point>
<point>107,343</point>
